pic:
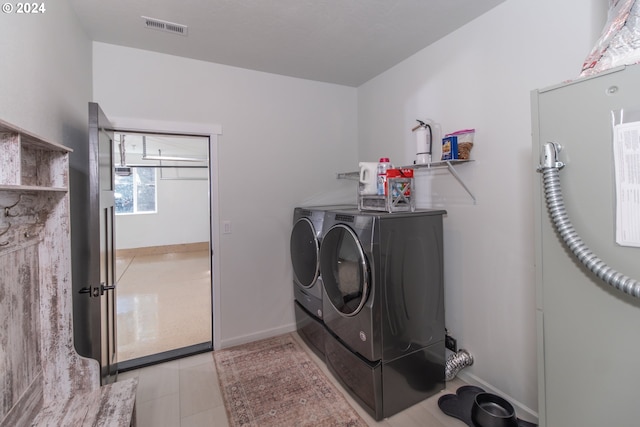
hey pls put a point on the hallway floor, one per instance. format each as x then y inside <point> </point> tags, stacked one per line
<point>164,302</point>
<point>185,393</point>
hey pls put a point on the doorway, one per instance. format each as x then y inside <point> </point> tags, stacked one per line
<point>163,246</point>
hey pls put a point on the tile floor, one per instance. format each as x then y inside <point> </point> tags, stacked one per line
<point>185,393</point>
<point>153,294</point>
<point>164,302</point>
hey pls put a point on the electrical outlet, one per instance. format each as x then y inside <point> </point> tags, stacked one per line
<point>451,343</point>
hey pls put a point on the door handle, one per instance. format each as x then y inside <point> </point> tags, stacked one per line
<point>92,291</point>
<point>104,288</point>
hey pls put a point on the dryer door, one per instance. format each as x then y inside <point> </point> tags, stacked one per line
<point>344,270</point>
<point>305,251</point>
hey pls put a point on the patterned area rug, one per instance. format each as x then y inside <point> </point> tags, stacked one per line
<point>273,382</point>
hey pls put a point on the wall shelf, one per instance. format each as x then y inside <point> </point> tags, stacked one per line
<point>449,164</point>
<point>33,188</point>
<point>28,162</point>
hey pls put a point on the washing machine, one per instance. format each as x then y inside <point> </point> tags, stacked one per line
<point>383,306</point>
<point>306,236</point>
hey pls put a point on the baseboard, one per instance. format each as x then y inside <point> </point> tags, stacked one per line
<point>244,339</point>
<point>522,411</point>
<point>165,249</point>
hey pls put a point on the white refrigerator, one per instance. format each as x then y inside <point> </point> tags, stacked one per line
<point>588,329</point>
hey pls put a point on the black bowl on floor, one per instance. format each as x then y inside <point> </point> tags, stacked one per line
<point>491,410</point>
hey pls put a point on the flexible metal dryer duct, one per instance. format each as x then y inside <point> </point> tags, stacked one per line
<point>456,362</point>
<point>555,205</point>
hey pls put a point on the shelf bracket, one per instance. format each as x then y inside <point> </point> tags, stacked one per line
<point>456,176</point>
<point>354,176</point>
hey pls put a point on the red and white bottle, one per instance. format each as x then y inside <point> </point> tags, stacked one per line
<point>383,165</point>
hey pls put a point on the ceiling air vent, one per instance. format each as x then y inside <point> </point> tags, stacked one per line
<point>169,27</point>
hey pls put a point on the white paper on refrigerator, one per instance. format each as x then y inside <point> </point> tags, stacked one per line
<point>626,157</point>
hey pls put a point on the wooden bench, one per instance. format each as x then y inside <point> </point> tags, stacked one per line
<point>43,381</point>
<point>112,405</point>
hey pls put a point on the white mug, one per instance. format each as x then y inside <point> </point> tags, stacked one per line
<point>368,178</point>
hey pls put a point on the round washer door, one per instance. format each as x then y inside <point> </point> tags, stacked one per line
<point>344,270</point>
<point>305,251</point>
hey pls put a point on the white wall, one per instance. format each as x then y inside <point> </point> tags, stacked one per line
<point>481,77</point>
<point>45,78</point>
<point>283,141</point>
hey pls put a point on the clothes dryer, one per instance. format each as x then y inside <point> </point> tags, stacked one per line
<point>306,236</point>
<point>383,306</point>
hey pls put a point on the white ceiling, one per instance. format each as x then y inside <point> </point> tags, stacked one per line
<point>346,42</point>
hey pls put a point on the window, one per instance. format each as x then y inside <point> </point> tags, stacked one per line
<point>135,193</point>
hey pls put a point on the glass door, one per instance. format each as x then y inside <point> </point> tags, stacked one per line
<point>344,270</point>
<point>163,250</point>
<point>305,253</point>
